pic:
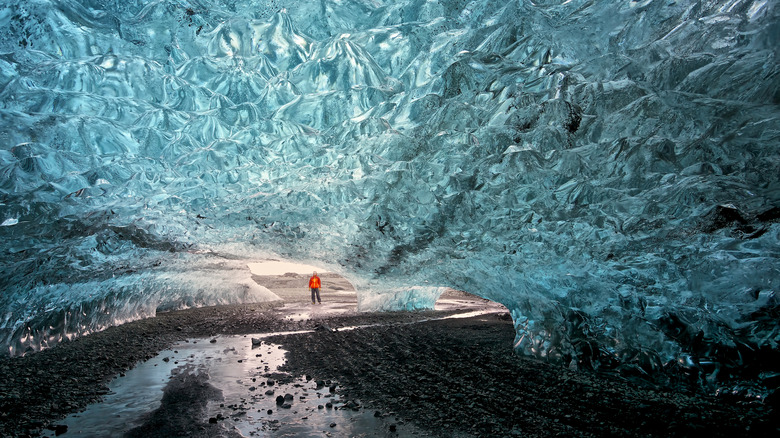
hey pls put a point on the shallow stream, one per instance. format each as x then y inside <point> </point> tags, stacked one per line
<point>246,374</point>
<point>246,370</point>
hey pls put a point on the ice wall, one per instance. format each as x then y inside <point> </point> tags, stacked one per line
<point>607,170</point>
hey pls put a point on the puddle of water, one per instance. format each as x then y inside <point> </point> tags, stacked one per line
<point>245,369</point>
<point>469,314</point>
<point>246,374</point>
<point>304,311</point>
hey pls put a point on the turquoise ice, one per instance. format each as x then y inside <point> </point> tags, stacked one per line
<point>607,170</point>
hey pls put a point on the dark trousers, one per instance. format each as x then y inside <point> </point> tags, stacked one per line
<point>315,291</point>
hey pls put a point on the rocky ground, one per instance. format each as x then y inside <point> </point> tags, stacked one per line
<point>457,378</point>
<point>448,377</point>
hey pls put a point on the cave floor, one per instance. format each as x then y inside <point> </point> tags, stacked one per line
<point>444,373</point>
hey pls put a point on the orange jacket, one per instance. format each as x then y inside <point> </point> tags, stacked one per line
<point>314,282</point>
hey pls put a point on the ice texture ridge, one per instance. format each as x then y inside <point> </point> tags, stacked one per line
<point>607,170</point>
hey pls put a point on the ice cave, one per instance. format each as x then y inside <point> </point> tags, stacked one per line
<point>607,170</point>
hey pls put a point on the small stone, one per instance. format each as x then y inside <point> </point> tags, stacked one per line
<point>393,428</point>
<point>58,429</point>
<point>279,399</point>
<point>213,420</point>
<point>377,414</point>
<point>332,424</point>
<point>213,341</point>
<point>269,412</point>
<point>288,397</point>
<point>286,406</point>
<point>329,405</point>
<point>269,392</point>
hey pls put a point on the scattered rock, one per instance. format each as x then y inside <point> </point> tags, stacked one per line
<point>58,429</point>
<point>323,327</point>
<point>385,365</point>
<point>351,404</point>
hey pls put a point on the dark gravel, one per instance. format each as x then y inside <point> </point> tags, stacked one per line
<point>459,377</point>
<point>451,378</point>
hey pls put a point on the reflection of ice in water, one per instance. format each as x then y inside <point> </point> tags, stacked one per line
<point>246,374</point>
<point>141,390</point>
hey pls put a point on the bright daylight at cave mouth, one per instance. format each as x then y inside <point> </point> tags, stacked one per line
<point>526,218</point>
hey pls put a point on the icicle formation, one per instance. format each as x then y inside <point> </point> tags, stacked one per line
<point>607,170</point>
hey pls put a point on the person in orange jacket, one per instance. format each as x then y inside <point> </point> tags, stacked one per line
<point>314,285</point>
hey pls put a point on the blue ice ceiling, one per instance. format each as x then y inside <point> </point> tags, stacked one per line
<point>607,170</point>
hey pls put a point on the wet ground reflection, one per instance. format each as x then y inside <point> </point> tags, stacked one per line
<point>254,402</point>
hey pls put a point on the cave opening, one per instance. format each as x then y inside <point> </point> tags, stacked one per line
<point>607,170</point>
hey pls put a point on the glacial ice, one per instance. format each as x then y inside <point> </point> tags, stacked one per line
<point>606,170</point>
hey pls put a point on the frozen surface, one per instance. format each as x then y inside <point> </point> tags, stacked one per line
<point>606,170</point>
